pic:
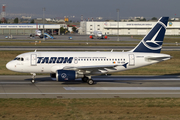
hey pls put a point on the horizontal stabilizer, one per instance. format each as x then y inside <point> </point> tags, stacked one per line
<point>157,58</point>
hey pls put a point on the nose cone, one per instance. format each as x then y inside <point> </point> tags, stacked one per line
<point>9,66</point>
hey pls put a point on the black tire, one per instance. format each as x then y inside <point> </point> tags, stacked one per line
<point>90,82</point>
<point>33,81</point>
<point>85,79</point>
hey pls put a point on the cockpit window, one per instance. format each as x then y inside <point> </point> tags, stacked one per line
<point>19,59</point>
<point>22,59</point>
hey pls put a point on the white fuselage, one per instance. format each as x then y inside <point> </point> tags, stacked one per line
<point>98,34</point>
<point>38,33</point>
<point>50,62</point>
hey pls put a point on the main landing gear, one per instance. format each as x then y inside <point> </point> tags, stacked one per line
<point>88,80</point>
<point>33,77</point>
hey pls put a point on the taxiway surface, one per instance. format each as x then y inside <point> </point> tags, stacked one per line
<point>66,37</point>
<point>80,48</point>
<point>104,87</point>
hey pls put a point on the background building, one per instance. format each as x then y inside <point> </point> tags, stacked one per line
<point>125,28</point>
<point>26,29</point>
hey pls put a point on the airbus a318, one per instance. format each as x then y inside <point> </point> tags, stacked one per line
<point>98,35</point>
<point>68,66</point>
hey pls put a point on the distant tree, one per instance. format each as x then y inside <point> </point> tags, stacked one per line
<point>16,20</point>
<point>154,18</point>
<point>32,21</point>
<point>74,29</point>
<point>62,30</point>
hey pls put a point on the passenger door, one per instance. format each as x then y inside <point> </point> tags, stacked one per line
<point>33,59</point>
<point>131,60</point>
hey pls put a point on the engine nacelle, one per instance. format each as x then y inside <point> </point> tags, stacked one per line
<point>91,36</point>
<point>67,75</point>
<point>105,37</point>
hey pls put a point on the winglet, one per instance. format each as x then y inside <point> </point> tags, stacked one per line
<point>152,42</point>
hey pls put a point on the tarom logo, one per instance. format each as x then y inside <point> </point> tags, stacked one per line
<point>63,75</point>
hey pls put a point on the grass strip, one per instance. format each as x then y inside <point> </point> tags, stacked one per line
<point>91,109</point>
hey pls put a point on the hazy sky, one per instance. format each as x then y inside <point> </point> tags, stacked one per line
<point>93,8</point>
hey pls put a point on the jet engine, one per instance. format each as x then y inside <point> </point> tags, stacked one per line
<point>91,36</point>
<point>65,75</point>
<point>105,37</point>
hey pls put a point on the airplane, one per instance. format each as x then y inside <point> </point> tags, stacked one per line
<point>37,33</point>
<point>68,66</point>
<point>98,35</point>
<point>40,35</point>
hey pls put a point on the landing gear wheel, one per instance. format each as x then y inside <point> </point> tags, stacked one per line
<point>33,81</point>
<point>90,82</point>
<point>33,77</point>
<point>85,79</point>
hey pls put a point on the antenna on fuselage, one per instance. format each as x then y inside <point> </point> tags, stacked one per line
<point>35,50</point>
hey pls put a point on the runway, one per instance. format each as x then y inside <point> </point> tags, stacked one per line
<point>104,87</point>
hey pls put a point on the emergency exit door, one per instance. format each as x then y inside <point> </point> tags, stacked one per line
<point>33,59</point>
<point>131,60</point>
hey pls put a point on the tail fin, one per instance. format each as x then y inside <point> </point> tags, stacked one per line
<point>152,42</point>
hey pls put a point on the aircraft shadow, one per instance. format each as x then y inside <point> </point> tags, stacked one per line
<point>112,79</point>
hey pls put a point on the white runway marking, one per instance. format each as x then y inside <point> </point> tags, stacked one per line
<point>122,88</point>
<point>119,93</point>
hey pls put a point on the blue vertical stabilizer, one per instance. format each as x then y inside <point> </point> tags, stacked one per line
<point>152,42</point>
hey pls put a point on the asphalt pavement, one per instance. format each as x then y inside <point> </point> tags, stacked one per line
<point>104,87</point>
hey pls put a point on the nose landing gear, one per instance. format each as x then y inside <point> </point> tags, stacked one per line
<point>33,78</point>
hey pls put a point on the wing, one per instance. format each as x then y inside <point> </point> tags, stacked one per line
<point>98,69</point>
